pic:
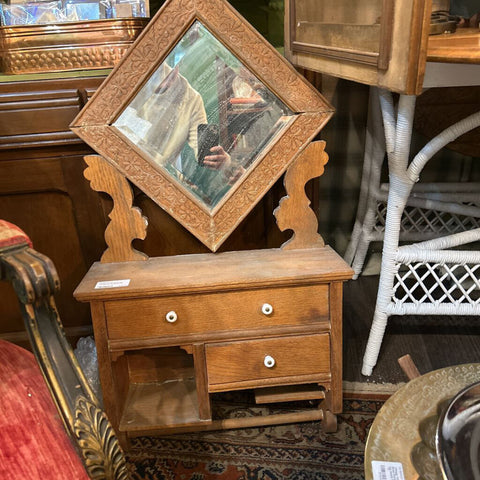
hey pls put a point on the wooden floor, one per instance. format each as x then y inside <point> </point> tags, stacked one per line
<point>432,341</point>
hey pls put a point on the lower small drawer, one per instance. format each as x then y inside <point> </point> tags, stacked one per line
<point>271,361</point>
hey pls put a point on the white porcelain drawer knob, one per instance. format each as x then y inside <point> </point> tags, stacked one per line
<point>269,361</point>
<point>267,309</point>
<point>171,316</point>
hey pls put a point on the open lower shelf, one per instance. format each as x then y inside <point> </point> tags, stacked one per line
<point>172,407</point>
<point>168,404</point>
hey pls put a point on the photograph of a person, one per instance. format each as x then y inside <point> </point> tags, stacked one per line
<point>203,117</point>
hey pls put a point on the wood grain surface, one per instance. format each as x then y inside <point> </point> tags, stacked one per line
<point>214,272</point>
<point>243,362</point>
<point>463,46</point>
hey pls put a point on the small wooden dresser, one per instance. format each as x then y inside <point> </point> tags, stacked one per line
<point>177,334</point>
<point>173,331</point>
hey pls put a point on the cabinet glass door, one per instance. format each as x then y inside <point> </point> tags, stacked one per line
<point>355,31</point>
<point>376,42</point>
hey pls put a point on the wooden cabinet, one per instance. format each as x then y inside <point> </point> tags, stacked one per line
<point>377,42</point>
<point>42,188</point>
<point>172,332</point>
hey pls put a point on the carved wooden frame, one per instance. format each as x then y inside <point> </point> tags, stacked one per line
<point>311,113</point>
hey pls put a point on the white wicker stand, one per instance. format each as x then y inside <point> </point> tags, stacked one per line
<point>425,278</point>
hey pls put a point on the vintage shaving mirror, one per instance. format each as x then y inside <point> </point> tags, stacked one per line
<point>201,104</point>
<point>203,115</point>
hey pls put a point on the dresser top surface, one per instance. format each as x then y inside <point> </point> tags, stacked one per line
<point>211,272</point>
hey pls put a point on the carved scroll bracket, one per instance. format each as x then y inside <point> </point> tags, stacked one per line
<point>127,222</point>
<point>294,211</point>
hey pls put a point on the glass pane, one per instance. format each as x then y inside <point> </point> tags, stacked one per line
<point>203,117</point>
<point>347,24</point>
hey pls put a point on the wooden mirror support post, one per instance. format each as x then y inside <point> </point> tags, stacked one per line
<point>174,332</point>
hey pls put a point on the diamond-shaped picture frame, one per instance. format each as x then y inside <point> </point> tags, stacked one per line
<point>95,123</point>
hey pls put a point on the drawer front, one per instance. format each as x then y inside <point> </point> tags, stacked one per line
<point>283,360</point>
<point>217,312</point>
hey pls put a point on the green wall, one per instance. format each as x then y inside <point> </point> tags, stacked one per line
<point>265,15</point>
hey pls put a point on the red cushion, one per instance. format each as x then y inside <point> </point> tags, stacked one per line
<point>11,235</point>
<point>33,442</point>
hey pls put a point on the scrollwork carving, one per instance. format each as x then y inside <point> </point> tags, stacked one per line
<point>35,280</point>
<point>127,222</point>
<point>293,211</point>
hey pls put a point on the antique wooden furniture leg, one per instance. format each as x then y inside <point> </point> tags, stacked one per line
<point>396,290</point>
<point>408,366</point>
<point>35,281</point>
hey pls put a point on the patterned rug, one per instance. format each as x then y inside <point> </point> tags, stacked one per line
<point>299,451</point>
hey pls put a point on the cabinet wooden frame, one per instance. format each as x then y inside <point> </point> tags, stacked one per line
<point>400,64</point>
<point>168,328</point>
<point>163,326</point>
<point>378,59</point>
<point>310,113</point>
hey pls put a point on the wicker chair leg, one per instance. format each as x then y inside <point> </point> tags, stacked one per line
<point>397,198</point>
<point>365,182</point>
<point>397,135</point>
<point>402,179</point>
<point>366,212</point>
<point>364,240</point>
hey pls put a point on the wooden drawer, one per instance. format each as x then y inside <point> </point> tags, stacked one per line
<point>216,312</point>
<point>38,119</point>
<point>246,364</point>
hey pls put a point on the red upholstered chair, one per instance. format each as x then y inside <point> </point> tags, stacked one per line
<point>51,424</point>
<point>34,443</point>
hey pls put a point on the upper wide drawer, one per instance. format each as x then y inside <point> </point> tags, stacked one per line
<point>216,312</point>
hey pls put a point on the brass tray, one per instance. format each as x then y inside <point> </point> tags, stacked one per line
<point>94,44</point>
<point>396,431</point>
